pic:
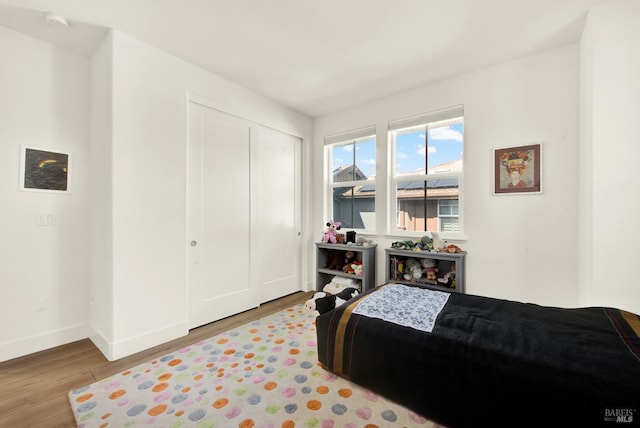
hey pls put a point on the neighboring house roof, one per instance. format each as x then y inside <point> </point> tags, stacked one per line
<point>437,187</point>
<point>346,173</point>
<point>453,166</point>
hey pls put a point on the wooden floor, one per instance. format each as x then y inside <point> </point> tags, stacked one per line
<point>33,388</point>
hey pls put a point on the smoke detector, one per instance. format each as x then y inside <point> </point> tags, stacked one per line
<point>56,20</point>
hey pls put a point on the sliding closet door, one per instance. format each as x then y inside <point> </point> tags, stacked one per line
<point>280,214</point>
<point>220,278</point>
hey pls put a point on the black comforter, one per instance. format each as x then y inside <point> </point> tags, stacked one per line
<point>491,362</point>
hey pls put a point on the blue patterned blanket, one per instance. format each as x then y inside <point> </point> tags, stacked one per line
<point>407,306</point>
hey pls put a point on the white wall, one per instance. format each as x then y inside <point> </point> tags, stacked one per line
<point>610,107</point>
<point>148,185</point>
<point>521,247</point>
<point>101,307</point>
<point>113,268</point>
<point>44,270</point>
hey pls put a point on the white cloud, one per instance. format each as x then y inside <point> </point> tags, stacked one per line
<point>445,133</point>
<point>422,151</point>
<point>368,161</point>
<point>400,155</point>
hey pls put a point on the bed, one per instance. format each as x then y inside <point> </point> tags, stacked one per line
<point>487,361</point>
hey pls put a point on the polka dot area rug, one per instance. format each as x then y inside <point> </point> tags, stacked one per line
<point>263,374</point>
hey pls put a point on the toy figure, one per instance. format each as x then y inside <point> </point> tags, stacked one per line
<point>361,240</point>
<point>357,268</point>
<point>425,244</point>
<point>413,270</point>
<point>349,256</point>
<point>330,234</point>
<point>403,245</point>
<point>334,260</point>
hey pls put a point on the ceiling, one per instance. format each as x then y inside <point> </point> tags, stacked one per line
<point>318,57</point>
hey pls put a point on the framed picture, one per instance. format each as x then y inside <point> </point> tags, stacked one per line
<point>44,171</point>
<point>517,170</point>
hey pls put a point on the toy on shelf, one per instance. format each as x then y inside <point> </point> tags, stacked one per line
<point>403,245</point>
<point>349,257</point>
<point>451,248</point>
<point>437,243</point>
<point>412,269</point>
<point>357,268</point>
<point>427,263</point>
<point>354,268</point>
<point>361,240</point>
<point>425,244</point>
<point>330,234</point>
<point>334,260</point>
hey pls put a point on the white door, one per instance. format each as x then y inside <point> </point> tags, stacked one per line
<point>220,255</point>
<point>280,245</point>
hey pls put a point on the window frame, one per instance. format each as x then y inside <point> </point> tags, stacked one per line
<point>354,138</point>
<point>433,120</point>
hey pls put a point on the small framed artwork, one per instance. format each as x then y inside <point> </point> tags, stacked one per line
<point>44,171</point>
<point>517,170</point>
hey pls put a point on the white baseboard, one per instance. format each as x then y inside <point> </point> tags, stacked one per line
<point>129,346</point>
<point>40,342</point>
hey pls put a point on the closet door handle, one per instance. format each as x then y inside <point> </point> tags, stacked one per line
<point>194,243</point>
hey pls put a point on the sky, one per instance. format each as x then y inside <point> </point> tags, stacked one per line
<point>445,145</point>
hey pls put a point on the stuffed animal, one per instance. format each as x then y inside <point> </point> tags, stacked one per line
<point>349,256</point>
<point>354,268</point>
<point>452,248</point>
<point>403,245</point>
<point>432,274</point>
<point>425,244</point>
<point>348,268</point>
<point>427,263</point>
<point>412,269</point>
<point>334,260</point>
<point>438,244</point>
<point>323,302</point>
<point>361,240</point>
<point>330,234</point>
<point>357,268</point>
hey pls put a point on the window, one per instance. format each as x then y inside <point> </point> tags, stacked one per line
<point>426,170</point>
<point>352,163</point>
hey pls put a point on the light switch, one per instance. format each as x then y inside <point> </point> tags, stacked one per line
<point>46,219</point>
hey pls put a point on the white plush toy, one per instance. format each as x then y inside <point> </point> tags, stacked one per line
<point>412,269</point>
<point>338,284</point>
<point>437,242</point>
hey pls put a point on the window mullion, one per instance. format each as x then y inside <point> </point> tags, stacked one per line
<point>426,173</point>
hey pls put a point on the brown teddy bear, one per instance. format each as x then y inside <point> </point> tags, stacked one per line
<point>334,260</point>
